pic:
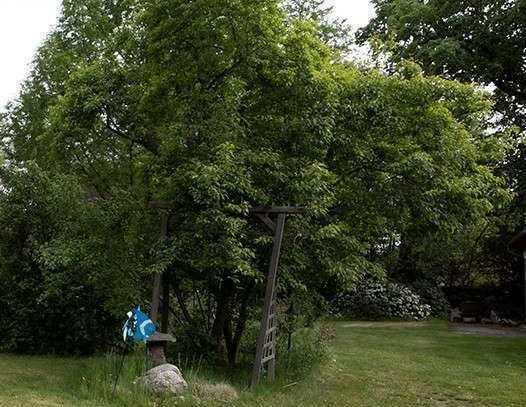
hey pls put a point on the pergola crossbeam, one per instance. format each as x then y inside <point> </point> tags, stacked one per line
<point>277,209</point>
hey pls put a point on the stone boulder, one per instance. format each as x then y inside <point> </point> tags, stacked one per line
<point>163,379</point>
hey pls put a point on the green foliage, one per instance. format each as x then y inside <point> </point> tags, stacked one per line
<point>217,106</point>
<point>216,115</point>
<point>65,257</point>
<point>374,299</point>
<point>309,350</point>
<point>472,41</point>
<point>479,42</point>
<point>414,174</point>
<point>46,307</point>
<point>431,293</point>
<point>332,30</point>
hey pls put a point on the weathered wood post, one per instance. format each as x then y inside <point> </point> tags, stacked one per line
<point>157,278</point>
<point>524,282</point>
<point>157,344</point>
<point>524,269</point>
<point>266,343</point>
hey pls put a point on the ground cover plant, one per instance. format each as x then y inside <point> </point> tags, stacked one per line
<point>371,364</point>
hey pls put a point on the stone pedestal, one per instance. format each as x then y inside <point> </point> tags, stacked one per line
<point>157,347</point>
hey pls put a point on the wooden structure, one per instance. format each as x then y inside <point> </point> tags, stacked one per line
<point>266,343</point>
<point>158,343</point>
<point>519,245</point>
<point>157,347</point>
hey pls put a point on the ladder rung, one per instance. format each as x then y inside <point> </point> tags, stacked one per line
<point>267,359</point>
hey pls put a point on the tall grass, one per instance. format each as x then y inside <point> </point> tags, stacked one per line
<point>309,350</point>
<point>99,376</point>
<point>94,378</point>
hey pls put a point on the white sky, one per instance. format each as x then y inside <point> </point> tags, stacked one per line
<point>25,23</point>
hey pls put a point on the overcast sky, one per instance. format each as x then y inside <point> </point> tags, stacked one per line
<point>25,23</point>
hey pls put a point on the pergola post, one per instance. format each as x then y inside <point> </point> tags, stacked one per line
<point>157,279</point>
<point>266,343</point>
<point>158,343</point>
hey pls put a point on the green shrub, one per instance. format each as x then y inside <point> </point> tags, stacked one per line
<point>432,295</point>
<point>375,299</point>
<point>309,348</point>
<point>47,307</point>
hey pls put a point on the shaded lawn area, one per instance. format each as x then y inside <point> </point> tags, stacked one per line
<point>371,364</point>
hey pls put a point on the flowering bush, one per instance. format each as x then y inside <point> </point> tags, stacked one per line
<point>432,294</point>
<point>380,300</point>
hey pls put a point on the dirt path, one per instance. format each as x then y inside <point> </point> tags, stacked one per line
<point>385,324</point>
<point>487,330</point>
<point>467,329</point>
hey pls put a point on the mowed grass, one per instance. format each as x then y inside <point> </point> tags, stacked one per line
<point>371,364</point>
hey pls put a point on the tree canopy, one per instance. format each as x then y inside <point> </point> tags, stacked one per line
<point>480,42</point>
<point>217,106</point>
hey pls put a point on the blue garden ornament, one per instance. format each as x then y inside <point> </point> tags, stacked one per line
<point>139,327</point>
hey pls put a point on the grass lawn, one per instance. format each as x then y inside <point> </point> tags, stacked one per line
<point>376,364</point>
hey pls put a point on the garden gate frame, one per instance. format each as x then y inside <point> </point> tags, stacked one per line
<point>266,343</point>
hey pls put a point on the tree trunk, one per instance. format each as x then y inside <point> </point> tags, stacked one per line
<point>223,314</point>
<point>233,339</point>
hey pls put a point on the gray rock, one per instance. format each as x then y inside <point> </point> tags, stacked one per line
<point>162,379</point>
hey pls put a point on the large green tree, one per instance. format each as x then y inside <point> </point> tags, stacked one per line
<point>216,106</point>
<point>414,160</point>
<point>474,41</point>
<point>479,42</point>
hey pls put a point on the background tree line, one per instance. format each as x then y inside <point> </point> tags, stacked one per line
<point>216,106</point>
<point>483,43</point>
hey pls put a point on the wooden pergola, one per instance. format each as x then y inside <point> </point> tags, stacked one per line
<point>274,218</point>
<point>158,343</point>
